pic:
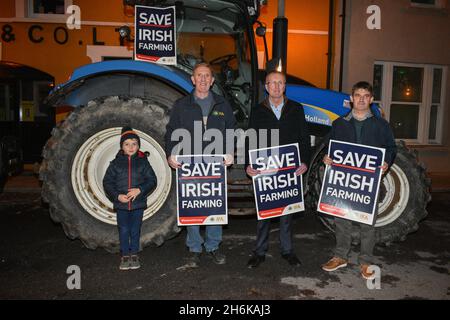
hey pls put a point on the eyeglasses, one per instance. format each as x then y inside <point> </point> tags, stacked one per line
<point>275,83</point>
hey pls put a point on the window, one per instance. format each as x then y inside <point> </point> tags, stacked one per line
<point>47,8</point>
<point>377,81</point>
<point>428,3</point>
<point>413,99</point>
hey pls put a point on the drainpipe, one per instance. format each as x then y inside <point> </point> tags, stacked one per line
<point>341,63</point>
<point>330,44</point>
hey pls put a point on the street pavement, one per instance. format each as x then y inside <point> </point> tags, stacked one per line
<point>35,256</point>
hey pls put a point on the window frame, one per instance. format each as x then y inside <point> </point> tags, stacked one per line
<point>438,4</point>
<point>424,105</point>
<point>58,17</point>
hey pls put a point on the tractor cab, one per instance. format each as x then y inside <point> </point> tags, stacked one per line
<point>220,33</point>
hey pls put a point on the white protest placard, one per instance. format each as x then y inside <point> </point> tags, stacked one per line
<point>201,190</point>
<point>278,190</point>
<point>351,184</point>
<point>155,35</point>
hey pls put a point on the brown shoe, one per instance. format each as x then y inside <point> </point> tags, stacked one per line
<point>365,273</point>
<point>334,264</point>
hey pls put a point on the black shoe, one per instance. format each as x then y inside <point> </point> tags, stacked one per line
<point>255,261</point>
<point>193,260</point>
<point>292,259</point>
<point>217,257</point>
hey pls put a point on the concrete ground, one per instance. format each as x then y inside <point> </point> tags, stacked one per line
<point>35,255</point>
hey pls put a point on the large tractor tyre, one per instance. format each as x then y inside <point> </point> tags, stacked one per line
<point>76,158</point>
<point>404,194</point>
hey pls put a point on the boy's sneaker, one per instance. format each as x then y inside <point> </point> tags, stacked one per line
<point>134,262</point>
<point>334,264</point>
<point>124,263</point>
<point>193,260</point>
<point>217,257</point>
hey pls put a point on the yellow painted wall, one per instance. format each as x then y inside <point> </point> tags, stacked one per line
<point>47,56</point>
<point>7,8</point>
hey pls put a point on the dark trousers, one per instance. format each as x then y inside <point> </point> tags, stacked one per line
<point>344,240</point>
<point>129,224</point>
<point>262,235</point>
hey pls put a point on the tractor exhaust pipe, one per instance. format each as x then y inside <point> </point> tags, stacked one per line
<point>279,44</point>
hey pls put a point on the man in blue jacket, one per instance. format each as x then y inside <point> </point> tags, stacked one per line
<point>196,113</point>
<point>360,126</point>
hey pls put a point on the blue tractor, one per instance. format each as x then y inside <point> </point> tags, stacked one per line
<point>107,95</point>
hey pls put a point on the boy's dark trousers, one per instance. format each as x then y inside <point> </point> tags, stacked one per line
<point>129,224</point>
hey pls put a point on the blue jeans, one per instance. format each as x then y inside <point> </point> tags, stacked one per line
<point>129,223</point>
<point>194,240</point>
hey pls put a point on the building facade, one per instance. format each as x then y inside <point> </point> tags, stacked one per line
<point>403,47</point>
<point>40,48</point>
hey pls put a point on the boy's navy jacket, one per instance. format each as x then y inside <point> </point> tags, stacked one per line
<point>376,132</point>
<point>126,172</point>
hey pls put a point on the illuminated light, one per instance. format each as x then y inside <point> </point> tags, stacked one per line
<point>280,66</point>
<point>408,92</point>
<point>11,64</point>
<point>124,31</point>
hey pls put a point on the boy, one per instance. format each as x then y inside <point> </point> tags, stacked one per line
<point>127,183</point>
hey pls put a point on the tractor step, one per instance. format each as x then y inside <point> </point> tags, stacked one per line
<point>241,201</point>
